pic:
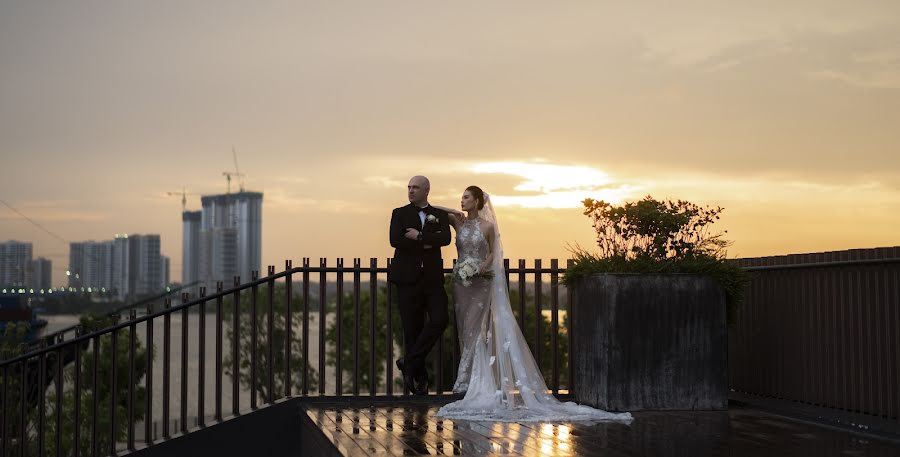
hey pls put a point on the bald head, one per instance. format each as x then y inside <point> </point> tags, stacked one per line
<point>418,189</point>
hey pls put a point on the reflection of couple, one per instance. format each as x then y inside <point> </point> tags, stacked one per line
<point>497,371</point>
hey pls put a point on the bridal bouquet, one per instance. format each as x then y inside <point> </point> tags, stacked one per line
<point>469,268</point>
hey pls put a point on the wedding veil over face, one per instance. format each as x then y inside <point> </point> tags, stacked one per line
<point>506,383</point>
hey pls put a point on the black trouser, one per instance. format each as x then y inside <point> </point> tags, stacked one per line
<point>415,301</point>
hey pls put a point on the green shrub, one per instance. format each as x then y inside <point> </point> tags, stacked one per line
<point>657,237</point>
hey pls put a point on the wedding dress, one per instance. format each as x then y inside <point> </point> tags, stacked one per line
<point>497,371</point>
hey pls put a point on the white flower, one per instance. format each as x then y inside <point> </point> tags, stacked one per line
<point>431,218</point>
<point>466,269</point>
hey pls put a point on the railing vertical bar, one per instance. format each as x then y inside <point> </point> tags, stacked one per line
<point>539,318</point>
<point>357,321</point>
<point>373,303</point>
<point>288,327</point>
<point>4,429</point>
<point>113,390</point>
<point>201,362</point>
<point>339,323</point>
<point>167,348</point>
<point>304,353</point>
<point>76,441</point>
<point>132,344</point>
<point>570,334</point>
<point>148,406</point>
<point>60,363</point>
<point>235,349</point>
<point>219,350</point>
<point>322,265</point>
<point>254,343</point>
<point>184,363</point>
<point>95,393</point>
<point>23,417</point>
<point>42,398</point>
<point>554,321</point>
<point>389,373</point>
<point>439,366</point>
<point>270,337</point>
<point>522,295</point>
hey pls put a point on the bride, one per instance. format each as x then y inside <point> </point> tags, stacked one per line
<point>497,371</point>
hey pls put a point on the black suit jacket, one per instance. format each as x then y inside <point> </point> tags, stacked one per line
<point>412,262</point>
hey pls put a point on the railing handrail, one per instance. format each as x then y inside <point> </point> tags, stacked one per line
<point>225,292</point>
<point>825,264</point>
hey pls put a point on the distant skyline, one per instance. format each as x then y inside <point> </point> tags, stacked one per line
<point>784,114</point>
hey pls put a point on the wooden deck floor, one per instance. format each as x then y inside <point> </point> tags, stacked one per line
<point>406,428</point>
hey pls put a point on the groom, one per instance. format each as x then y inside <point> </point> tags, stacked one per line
<point>417,233</point>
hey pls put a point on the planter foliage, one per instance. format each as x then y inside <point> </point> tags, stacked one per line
<point>658,236</point>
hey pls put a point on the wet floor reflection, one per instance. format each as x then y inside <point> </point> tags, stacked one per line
<point>412,429</point>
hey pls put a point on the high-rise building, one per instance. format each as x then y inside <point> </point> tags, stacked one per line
<point>121,265</point>
<point>15,257</point>
<point>165,265</point>
<point>130,266</point>
<point>90,264</point>
<point>40,276</point>
<point>190,248</point>
<point>230,238</point>
<point>145,276</point>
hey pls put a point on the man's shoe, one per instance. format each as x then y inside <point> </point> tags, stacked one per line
<point>421,380</point>
<point>409,380</point>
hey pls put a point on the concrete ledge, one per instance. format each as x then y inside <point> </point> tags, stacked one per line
<point>861,424</point>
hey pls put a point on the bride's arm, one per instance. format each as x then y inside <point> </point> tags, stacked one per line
<point>456,216</point>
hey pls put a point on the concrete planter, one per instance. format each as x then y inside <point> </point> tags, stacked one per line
<point>650,342</point>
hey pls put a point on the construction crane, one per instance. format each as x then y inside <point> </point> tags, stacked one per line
<point>236,173</point>
<point>184,193</point>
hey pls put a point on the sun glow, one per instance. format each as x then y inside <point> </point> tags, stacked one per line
<point>547,185</point>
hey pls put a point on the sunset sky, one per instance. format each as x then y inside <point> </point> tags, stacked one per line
<point>785,113</point>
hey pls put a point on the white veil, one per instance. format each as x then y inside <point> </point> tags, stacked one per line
<point>506,383</point>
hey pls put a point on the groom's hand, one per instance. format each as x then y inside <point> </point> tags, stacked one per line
<point>412,234</point>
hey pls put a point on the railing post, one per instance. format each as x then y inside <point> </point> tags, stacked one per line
<point>184,362</point>
<point>132,341</point>
<point>288,325</point>
<point>570,319</point>
<point>539,318</point>
<point>59,393</point>
<point>254,343</point>
<point>270,339</point>
<point>389,380</point>
<point>322,264</point>
<point>554,321</point>
<point>373,303</point>
<point>356,323</point>
<point>339,323</point>
<point>201,371</point>
<point>220,286</point>
<point>114,389</point>
<point>167,348</point>
<point>522,295</point>
<point>95,392</point>
<point>236,348</point>
<point>148,407</point>
<point>42,398</point>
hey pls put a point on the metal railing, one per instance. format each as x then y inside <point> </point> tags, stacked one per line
<point>822,329</point>
<point>113,389</point>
